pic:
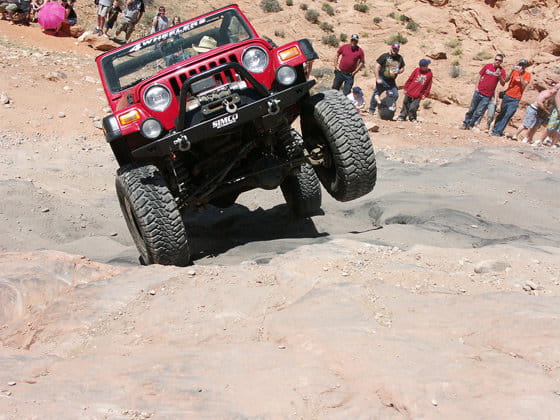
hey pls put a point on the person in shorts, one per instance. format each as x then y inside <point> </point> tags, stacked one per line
<point>131,16</point>
<point>102,9</point>
<point>111,17</point>
<point>553,128</point>
<point>70,18</point>
<point>537,114</point>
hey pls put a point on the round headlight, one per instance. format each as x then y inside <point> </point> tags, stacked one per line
<point>151,128</point>
<point>255,60</point>
<point>286,75</point>
<point>157,98</point>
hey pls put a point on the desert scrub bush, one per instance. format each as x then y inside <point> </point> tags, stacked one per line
<point>401,39</point>
<point>312,16</point>
<point>404,19</point>
<point>455,71</point>
<point>270,6</point>
<point>279,34</point>
<point>331,40</point>
<point>482,55</point>
<point>289,2</point>
<point>327,27</point>
<point>392,15</point>
<point>377,19</point>
<point>361,7</point>
<point>364,35</point>
<point>453,43</point>
<point>320,72</point>
<point>457,51</point>
<point>455,62</point>
<point>412,26</point>
<point>328,9</point>
<point>343,37</point>
<point>303,6</point>
<point>427,104</point>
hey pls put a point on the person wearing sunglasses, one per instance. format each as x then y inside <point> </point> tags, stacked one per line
<point>489,77</point>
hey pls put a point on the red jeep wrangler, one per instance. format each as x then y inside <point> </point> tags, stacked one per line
<point>202,112</point>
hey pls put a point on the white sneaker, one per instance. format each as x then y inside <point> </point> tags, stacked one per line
<point>525,140</point>
<point>547,140</point>
<point>536,143</point>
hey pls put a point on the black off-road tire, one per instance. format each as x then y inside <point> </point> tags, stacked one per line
<point>332,122</point>
<point>152,216</point>
<point>301,190</point>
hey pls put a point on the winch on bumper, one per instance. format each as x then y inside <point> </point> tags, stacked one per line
<point>265,110</point>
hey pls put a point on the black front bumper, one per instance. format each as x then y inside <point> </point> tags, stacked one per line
<point>269,109</point>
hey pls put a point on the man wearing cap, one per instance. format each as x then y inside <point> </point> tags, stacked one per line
<point>349,60</point>
<point>518,80</point>
<point>416,88</point>
<point>387,67</point>
<point>489,77</point>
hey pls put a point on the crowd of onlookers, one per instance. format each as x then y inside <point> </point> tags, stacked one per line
<point>499,106</point>
<point>108,12</point>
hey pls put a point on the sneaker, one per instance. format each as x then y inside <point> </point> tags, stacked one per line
<point>554,146</point>
<point>464,127</point>
<point>400,119</point>
<point>514,138</point>
<point>525,140</point>
<point>413,120</point>
<point>536,143</point>
<point>547,140</point>
<point>476,129</point>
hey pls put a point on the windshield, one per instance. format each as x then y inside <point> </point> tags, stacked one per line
<point>143,59</point>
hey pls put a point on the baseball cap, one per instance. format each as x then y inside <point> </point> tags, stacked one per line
<point>354,36</point>
<point>357,90</point>
<point>424,62</point>
<point>523,62</point>
<point>396,46</point>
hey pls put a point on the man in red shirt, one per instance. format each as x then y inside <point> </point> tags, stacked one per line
<point>349,61</point>
<point>490,76</point>
<point>518,80</point>
<point>417,87</point>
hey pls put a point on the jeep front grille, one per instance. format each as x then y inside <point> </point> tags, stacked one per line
<point>221,78</point>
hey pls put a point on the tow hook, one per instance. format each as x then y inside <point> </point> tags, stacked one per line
<point>230,106</point>
<point>273,107</point>
<point>182,143</point>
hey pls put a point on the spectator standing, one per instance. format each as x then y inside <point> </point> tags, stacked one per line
<point>70,17</point>
<point>553,128</point>
<point>102,10</point>
<point>111,17</point>
<point>518,79</point>
<point>349,61</point>
<point>176,20</point>
<point>387,67</point>
<point>490,113</point>
<point>160,21</point>
<point>357,97</point>
<point>537,114</point>
<point>489,77</point>
<point>9,7</point>
<point>132,14</point>
<point>416,88</point>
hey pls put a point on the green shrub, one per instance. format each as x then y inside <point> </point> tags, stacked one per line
<point>289,2</point>
<point>427,104</point>
<point>455,71</point>
<point>279,34</point>
<point>364,35</point>
<point>453,43</point>
<point>482,55</point>
<point>331,40</point>
<point>312,16</point>
<point>377,19</point>
<point>361,7</point>
<point>401,39</point>
<point>270,6</point>
<point>303,6</point>
<point>327,27</point>
<point>404,19</point>
<point>392,15</point>
<point>413,26</point>
<point>343,37</point>
<point>455,62</point>
<point>320,72</point>
<point>328,9</point>
<point>457,51</point>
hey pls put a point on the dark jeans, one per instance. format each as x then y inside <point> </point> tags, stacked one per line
<point>340,78</point>
<point>409,108</point>
<point>389,86</point>
<point>508,108</point>
<point>479,103</point>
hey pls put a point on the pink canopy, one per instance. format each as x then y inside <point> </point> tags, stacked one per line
<point>51,14</point>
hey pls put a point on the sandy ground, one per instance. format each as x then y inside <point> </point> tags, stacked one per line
<point>435,296</point>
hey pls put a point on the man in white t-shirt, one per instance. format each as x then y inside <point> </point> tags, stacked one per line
<point>357,97</point>
<point>102,9</point>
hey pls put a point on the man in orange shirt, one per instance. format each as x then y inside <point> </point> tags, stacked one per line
<point>518,81</point>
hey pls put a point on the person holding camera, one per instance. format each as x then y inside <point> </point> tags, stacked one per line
<point>490,76</point>
<point>160,21</point>
<point>518,79</point>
